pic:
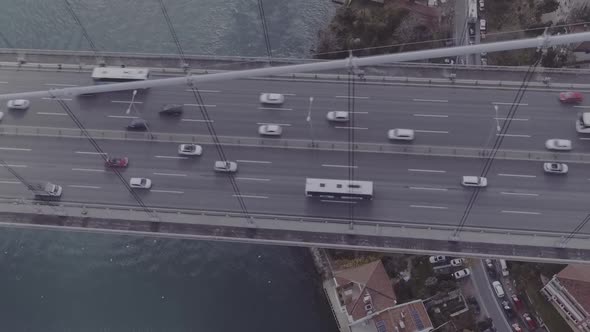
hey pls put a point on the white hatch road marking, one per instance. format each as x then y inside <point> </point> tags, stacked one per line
<point>126,102</point>
<point>513,119</point>
<point>87,152</point>
<point>15,149</point>
<point>56,98</point>
<point>431,100</point>
<point>250,196</point>
<point>520,212</point>
<point>170,157</point>
<point>518,175</point>
<point>198,105</point>
<point>59,84</point>
<point>52,113</point>
<point>14,166</point>
<point>341,166</point>
<point>254,161</point>
<point>428,188</point>
<point>170,174</point>
<point>252,179</point>
<point>205,91</point>
<point>432,131</point>
<point>432,115</point>
<point>122,116</point>
<point>518,194</point>
<point>9,182</point>
<point>426,170</point>
<point>514,135</point>
<point>356,128</point>
<point>196,120</point>
<point>87,170</point>
<point>429,207</point>
<point>275,109</point>
<point>351,97</point>
<point>579,106</point>
<point>82,186</point>
<point>341,202</point>
<point>278,124</point>
<point>167,191</point>
<point>510,104</point>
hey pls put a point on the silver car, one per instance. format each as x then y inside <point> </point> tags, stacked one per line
<point>401,134</point>
<point>558,144</point>
<point>555,168</point>
<point>270,130</point>
<point>337,116</point>
<point>18,104</point>
<point>272,98</point>
<point>190,150</point>
<point>462,273</point>
<point>225,166</point>
<point>140,183</point>
<point>474,181</point>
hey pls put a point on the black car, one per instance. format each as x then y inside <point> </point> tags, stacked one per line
<point>137,124</point>
<point>172,109</point>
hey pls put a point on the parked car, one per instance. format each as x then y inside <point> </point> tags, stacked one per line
<point>530,322</point>
<point>457,262</point>
<point>482,25</point>
<point>474,181</point>
<point>558,144</point>
<point>224,166</point>
<point>516,327</point>
<point>272,98</point>
<point>481,6</point>
<point>507,309</point>
<point>190,150</point>
<point>115,162</point>
<point>437,259</point>
<point>401,134</point>
<point>172,109</point>
<point>571,97</point>
<point>517,302</point>
<point>498,289</point>
<point>18,104</point>
<point>555,168</point>
<point>140,183</point>
<point>489,263</point>
<point>462,273</point>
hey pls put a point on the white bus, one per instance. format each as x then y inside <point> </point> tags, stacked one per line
<point>339,189</point>
<point>583,123</point>
<point>119,74</point>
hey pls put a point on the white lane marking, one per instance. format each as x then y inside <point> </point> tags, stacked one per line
<point>359,112</point>
<point>122,116</point>
<point>518,175</point>
<point>514,135</point>
<point>58,84</point>
<point>254,161</point>
<point>431,100</point>
<point>15,149</point>
<point>518,194</point>
<point>52,113</point>
<point>351,97</point>
<point>342,166</point>
<point>579,106</point>
<point>428,188</point>
<point>15,166</point>
<point>249,196</point>
<point>432,115</point>
<point>513,119</point>
<point>275,109</point>
<point>585,138</point>
<point>341,202</point>
<point>87,170</point>
<point>197,105</point>
<point>167,191</point>
<point>252,179</point>
<point>502,103</point>
<point>520,212</point>
<point>57,98</point>
<point>289,94</point>
<point>355,128</point>
<point>205,91</point>
<point>9,182</point>
<point>170,174</point>
<point>87,152</point>
<point>426,170</point>
<point>196,120</point>
<point>429,207</point>
<point>170,157</point>
<point>82,186</point>
<point>431,131</point>
<point>126,102</point>
<point>278,124</point>
<point>3,82</point>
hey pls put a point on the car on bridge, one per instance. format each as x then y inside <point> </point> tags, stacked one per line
<point>140,183</point>
<point>474,181</point>
<point>172,109</point>
<point>337,116</point>
<point>272,98</point>
<point>224,166</point>
<point>115,162</point>
<point>571,97</point>
<point>558,144</point>
<point>555,168</point>
<point>270,130</point>
<point>399,134</point>
<point>462,273</point>
<point>18,104</point>
<point>190,150</point>
<point>137,124</point>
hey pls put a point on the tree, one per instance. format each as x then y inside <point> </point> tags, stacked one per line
<point>548,6</point>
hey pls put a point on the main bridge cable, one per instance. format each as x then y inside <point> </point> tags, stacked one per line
<point>499,139</point>
<point>84,32</point>
<point>265,31</point>
<point>184,64</point>
<point>353,70</point>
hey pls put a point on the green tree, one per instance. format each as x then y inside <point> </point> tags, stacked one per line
<point>548,6</point>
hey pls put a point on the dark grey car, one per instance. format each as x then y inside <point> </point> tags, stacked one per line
<point>137,124</point>
<point>172,109</point>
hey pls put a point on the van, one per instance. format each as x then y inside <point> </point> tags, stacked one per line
<point>504,267</point>
<point>498,289</point>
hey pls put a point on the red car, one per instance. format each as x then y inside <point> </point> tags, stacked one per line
<point>570,97</point>
<point>517,302</point>
<point>117,162</point>
<point>530,322</point>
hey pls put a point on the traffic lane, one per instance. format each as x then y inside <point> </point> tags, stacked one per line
<point>488,297</point>
<point>32,80</point>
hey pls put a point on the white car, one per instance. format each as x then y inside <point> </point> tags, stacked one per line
<point>401,134</point>
<point>437,259</point>
<point>489,263</point>
<point>558,144</point>
<point>270,130</point>
<point>474,181</point>
<point>457,262</point>
<point>555,168</point>
<point>337,116</point>
<point>462,273</point>
<point>272,98</point>
<point>140,183</point>
<point>482,25</point>
<point>225,166</point>
<point>190,150</point>
<point>18,104</point>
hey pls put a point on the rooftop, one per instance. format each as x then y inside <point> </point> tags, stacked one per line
<point>407,317</point>
<point>576,279</point>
